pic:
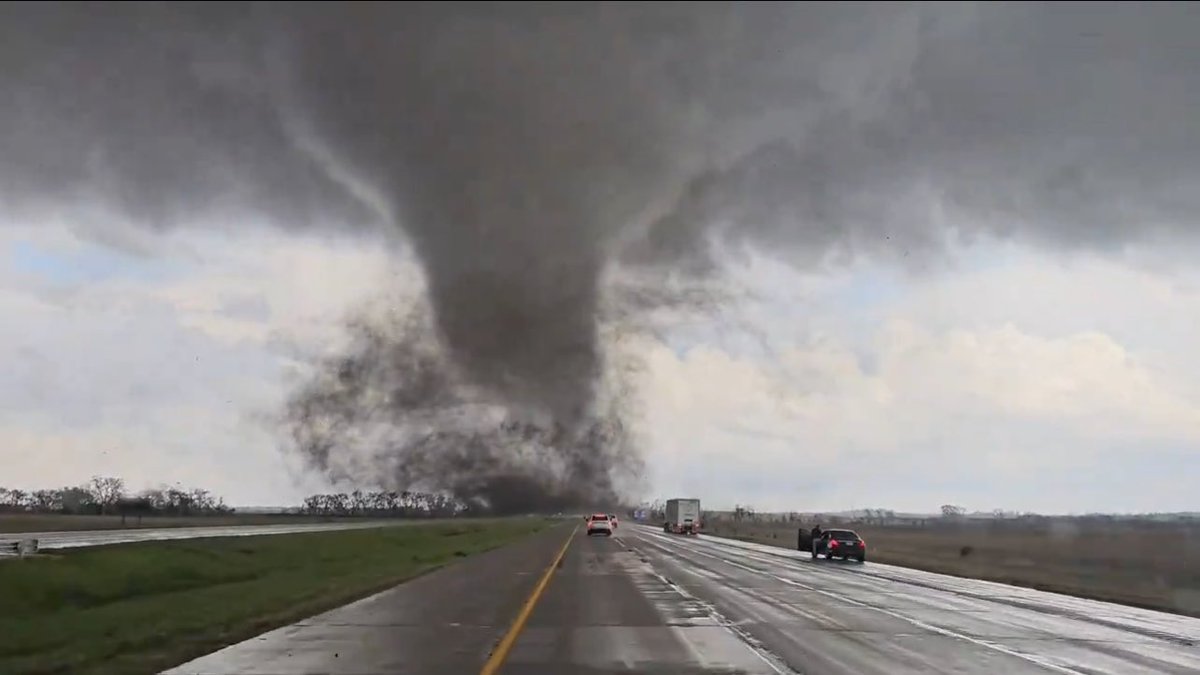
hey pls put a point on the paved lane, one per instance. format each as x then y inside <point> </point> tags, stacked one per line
<point>445,622</point>
<point>83,538</point>
<point>646,602</point>
<point>833,617</point>
<point>608,611</point>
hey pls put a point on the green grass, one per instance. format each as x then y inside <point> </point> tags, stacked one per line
<point>140,608</point>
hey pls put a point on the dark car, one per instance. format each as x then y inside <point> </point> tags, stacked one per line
<point>844,544</point>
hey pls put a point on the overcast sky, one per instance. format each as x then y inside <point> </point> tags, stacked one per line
<point>1017,380</point>
<point>970,272</point>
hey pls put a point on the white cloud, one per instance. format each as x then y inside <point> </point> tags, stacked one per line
<point>945,388</point>
<point>1010,379</point>
<point>301,287</point>
<point>167,378</point>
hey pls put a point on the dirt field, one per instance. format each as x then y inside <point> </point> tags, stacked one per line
<point>1156,566</point>
<point>11,523</point>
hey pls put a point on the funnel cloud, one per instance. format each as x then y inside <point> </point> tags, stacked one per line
<point>560,169</point>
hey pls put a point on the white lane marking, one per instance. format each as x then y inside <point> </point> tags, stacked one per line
<point>744,637</point>
<point>752,643</point>
<point>1173,629</point>
<point>915,622</point>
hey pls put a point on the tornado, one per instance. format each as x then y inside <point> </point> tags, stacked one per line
<point>558,172</point>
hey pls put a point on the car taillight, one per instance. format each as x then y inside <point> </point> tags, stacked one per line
<point>833,543</point>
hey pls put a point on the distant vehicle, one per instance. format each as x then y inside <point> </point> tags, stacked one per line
<point>598,523</point>
<point>844,544</point>
<point>682,516</point>
<point>612,518</point>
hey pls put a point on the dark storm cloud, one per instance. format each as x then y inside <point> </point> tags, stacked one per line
<point>522,149</point>
<point>512,144</point>
<point>1066,125</point>
<point>157,112</point>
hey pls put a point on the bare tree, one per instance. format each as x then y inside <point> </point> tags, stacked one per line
<point>108,491</point>
<point>16,499</point>
<point>79,500</point>
<point>952,512</point>
<point>46,500</point>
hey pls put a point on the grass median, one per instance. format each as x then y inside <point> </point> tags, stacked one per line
<point>140,608</point>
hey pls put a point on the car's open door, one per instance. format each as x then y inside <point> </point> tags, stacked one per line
<point>804,540</point>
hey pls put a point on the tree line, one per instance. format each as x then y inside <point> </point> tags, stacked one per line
<point>384,503</point>
<point>107,495</point>
<point>104,495</point>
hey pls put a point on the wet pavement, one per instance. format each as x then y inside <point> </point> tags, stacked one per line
<point>846,617</point>
<point>647,602</point>
<point>445,622</point>
<point>608,611</point>
<point>84,538</point>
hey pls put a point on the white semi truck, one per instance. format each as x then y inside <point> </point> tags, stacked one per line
<point>682,516</point>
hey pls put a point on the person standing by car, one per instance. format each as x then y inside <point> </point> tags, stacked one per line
<point>816,536</point>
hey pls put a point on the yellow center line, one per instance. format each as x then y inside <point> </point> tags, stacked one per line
<point>510,638</point>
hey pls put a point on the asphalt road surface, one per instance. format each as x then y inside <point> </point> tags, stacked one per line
<point>82,538</point>
<point>646,602</point>
<point>844,617</point>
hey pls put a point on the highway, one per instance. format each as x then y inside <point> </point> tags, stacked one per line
<point>646,602</point>
<point>82,538</point>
